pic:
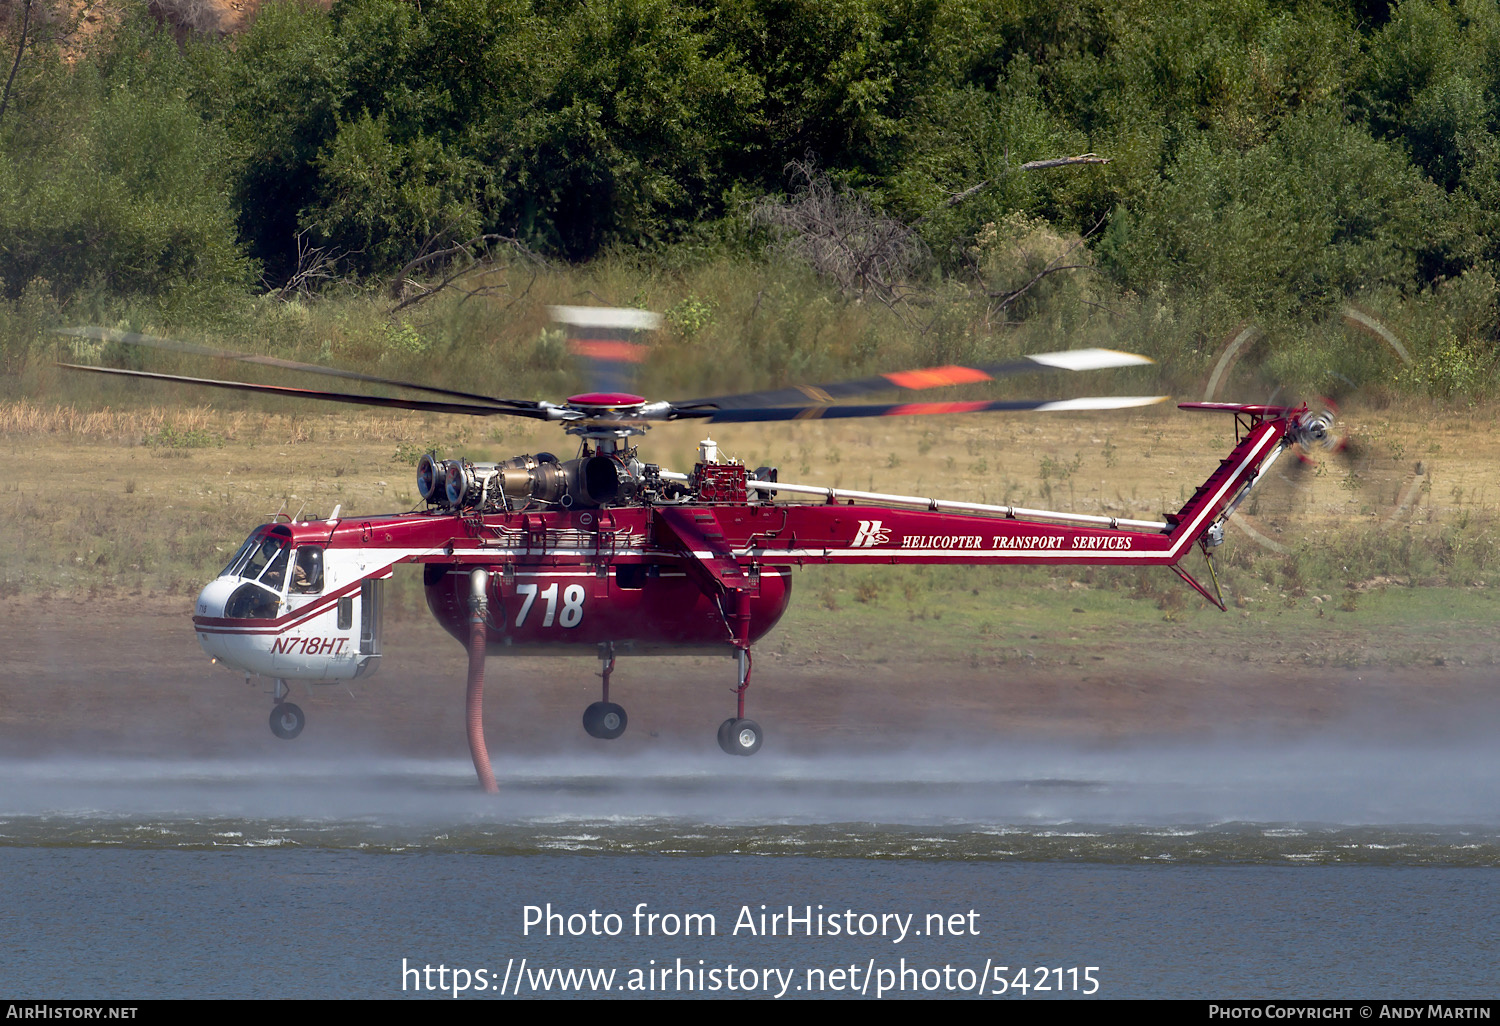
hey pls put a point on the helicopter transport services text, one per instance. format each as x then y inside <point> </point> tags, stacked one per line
<point>878,977</point>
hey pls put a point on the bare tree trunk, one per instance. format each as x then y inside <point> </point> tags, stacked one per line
<point>16,65</point>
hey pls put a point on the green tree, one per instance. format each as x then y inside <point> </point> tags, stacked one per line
<point>1287,227</point>
<point>631,133</point>
<point>278,93</point>
<point>111,184</point>
<point>1431,81</point>
<point>380,201</point>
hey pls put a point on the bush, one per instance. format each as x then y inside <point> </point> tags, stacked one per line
<point>1292,226</point>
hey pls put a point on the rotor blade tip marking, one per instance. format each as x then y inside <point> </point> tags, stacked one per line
<point>936,377</point>
<point>1089,359</point>
<point>611,350</point>
<point>605,317</point>
<point>1119,402</point>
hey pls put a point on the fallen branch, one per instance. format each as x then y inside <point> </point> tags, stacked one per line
<point>1082,158</point>
<point>316,266</point>
<point>1011,297</point>
<point>1051,268</point>
<point>476,256</point>
<point>1030,165</point>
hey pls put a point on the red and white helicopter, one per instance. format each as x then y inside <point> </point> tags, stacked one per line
<point>608,553</point>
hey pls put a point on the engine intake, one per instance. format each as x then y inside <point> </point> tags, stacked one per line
<point>607,480</point>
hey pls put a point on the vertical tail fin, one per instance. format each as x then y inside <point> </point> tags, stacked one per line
<point>1263,432</point>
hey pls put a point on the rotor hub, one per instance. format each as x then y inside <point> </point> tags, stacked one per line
<point>1316,431</point>
<point>607,416</point>
<point>594,403</point>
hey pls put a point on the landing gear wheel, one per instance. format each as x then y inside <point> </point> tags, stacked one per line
<point>740,737</point>
<point>287,721</point>
<point>604,720</point>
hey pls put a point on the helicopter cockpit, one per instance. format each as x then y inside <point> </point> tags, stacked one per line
<point>288,605</point>
<point>261,564</point>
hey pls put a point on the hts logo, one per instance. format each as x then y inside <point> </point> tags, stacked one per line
<point>870,534</point>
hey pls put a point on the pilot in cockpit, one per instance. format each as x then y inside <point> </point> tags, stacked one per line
<point>307,572</point>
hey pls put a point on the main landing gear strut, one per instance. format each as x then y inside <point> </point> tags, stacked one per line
<point>718,570</point>
<point>737,735</point>
<point>604,719</point>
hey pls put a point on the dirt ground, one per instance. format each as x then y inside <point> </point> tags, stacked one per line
<point>127,677</point>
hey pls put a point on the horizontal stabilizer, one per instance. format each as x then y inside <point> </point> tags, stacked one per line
<point>1254,409</point>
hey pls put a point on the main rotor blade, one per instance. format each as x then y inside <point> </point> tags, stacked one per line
<point>155,342</point>
<point>929,377</point>
<point>825,411</point>
<point>427,405</point>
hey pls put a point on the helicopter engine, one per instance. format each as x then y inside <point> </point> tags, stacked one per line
<point>540,481</point>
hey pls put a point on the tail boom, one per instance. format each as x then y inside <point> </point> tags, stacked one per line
<point>876,534</point>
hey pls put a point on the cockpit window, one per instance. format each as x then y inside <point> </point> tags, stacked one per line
<point>274,575</point>
<point>252,602</point>
<point>239,555</point>
<point>257,555</point>
<point>307,571</point>
<point>262,561</point>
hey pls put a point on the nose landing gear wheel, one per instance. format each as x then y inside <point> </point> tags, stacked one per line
<point>604,720</point>
<point>740,737</point>
<point>287,721</point>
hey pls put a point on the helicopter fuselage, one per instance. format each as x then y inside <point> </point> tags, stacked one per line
<point>706,570</point>
<point>606,552</point>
